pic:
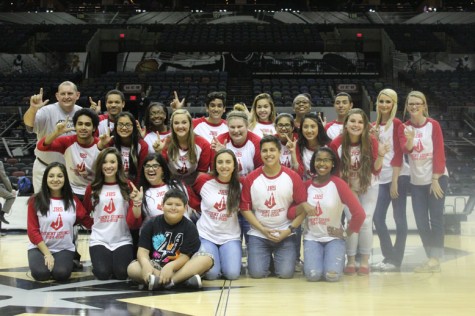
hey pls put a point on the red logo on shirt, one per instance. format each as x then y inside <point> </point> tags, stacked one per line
<point>110,208</point>
<point>239,165</point>
<point>418,146</point>
<point>58,223</point>
<point>356,164</point>
<point>270,203</point>
<point>83,155</point>
<point>287,162</point>
<point>159,206</point>
<point>183,169</point>
<point>221,205</point>
<point>318,209</point>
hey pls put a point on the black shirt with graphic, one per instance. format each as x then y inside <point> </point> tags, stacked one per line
<point>166,242</point>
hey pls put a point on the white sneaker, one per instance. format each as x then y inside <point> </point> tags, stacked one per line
<point>194,282</point>
<point>377,266</point>
<point>299,265</point>
<point>152,279</point>
<point>389,267</point>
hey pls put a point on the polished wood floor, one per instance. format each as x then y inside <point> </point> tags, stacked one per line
<point>451,292</point>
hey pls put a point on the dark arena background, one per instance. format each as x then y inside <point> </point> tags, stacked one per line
<point>152,48</point>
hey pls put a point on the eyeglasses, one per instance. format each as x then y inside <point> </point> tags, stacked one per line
<point>126,125</point>
<point>324,160</point>
<point>154,166</point>
<point>156,113</point>
<point>284,125</point>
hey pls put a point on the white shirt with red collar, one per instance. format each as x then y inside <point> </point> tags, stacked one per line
<point>79,159</point>
<point>329,200</point>
<point>142,149</point>
<point>248,154</point>
<point>428,154</point>
<point>152,137</point>
<point>333,129</point>
<point>182,167</point>
<point>113,217</point>
<point>264,128</point>
<point>355,154</point>
<point>215,224</point>
<point>272,197</point>
<point>393,158</point>
<point>104,125</point>
<point>56,227</point>
<point>208,130</point>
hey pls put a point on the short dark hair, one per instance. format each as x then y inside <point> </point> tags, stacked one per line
<point>115,91</point>
<point>270,139</point>
<point>333,157</point>
<point>175,193</point>
<point>87,112</point>
<point>216,95</point>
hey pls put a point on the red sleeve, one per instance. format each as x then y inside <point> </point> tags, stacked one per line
<point>398,157</point>
<point>33,224</point>
<point>334,145</point>
<point>299,195</point>
<point>82,217</point>
<point>142,155</point>
<point>439,151</point>
<point>349,198</point>
<point>194,200</point>
<point>196,121</point>
<point>246,202</point>
<point>257,160</point>
<point>403,139</point>
<point>87,202</point>
<point>374,148</point>
<point>132,221</point>
<point>205,158</point>
<point>301,170</point>
<point>60,144</point>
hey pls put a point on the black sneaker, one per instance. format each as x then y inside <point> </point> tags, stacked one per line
<point>194,282</point>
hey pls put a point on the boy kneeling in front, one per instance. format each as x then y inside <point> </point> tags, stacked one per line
<point>169,248</point>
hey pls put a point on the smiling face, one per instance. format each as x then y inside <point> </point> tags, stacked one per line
<point>301,105</point>
<point>416,107</point>
<point>67,96</point>
<point>224,166</point>
<point>181,125</point>
<point>342,105</point>
<point>157,115</point>
<point>355,125</point>
<point>125,127</point>
<point>323,164</point>
<point>110,167</point>
<point>270,154</point>
<point>153,172</point>
<point>215,109</point>
<point>114,104</point>
<point>263,110</point>
<point>173,210</point>
<point>284,127</point>
<point>385,106</point>
<point>309,129</point>
<point>237,130</point>
<point>84,128</point>
<point>55,181</point>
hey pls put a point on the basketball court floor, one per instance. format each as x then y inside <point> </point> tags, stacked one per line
<point>451,292</point>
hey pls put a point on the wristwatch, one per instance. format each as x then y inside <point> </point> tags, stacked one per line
<point>293,230</point>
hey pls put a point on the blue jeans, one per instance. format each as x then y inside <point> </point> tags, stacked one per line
<point>392,254</point>
<point>227,259</point>
<point>261,251</point>
<point>325,259</point>
<point>429,215</point>
<point>245,227</point>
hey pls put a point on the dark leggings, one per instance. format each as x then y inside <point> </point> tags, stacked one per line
<point>63,265</point>
<point>107,264</point>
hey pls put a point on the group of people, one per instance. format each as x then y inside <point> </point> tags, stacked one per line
<point>173,198</point>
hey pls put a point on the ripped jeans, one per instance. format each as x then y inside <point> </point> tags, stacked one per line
<point>324,260</point>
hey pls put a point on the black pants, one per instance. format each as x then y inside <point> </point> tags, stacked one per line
<point>107,264</point>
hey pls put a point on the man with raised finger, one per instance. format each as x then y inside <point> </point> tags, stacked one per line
<point>42,119</point>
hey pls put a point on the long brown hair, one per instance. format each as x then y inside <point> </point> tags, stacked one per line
<point>99,178</point>
<point>174,146</point>
<point>253,119</point>
<point>234,186</point>
<point>366,163</point>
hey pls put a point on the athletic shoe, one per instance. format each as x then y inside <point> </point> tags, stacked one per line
<point>299,265</point>
<point>194,282</point>
<point>153,282</point>
<point>427,268</point>
<point>389,267</point>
